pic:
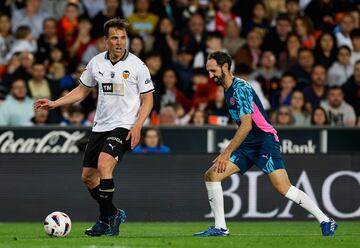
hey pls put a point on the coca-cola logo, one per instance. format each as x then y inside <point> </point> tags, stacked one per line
<point>52,142</point>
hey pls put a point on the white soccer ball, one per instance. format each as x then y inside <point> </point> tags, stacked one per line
<point>57,224</point>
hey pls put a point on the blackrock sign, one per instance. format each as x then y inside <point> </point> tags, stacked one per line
<point>175,191</point>
<point>290,147</point>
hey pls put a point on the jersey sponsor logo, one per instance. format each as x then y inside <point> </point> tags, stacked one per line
<point>113,89</point>
<point>126,74</point>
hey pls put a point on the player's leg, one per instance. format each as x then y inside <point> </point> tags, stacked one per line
<point>213,179</point>
<point>91,178</point>
<point>280,180</point>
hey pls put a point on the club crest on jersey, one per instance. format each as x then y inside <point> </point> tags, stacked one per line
<point>232,101</point>
<point>126,74</point>
<point>112,74</point>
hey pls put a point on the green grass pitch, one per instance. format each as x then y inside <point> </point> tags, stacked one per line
<point>153,234</point>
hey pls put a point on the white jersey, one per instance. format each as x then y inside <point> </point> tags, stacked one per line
<point>119,89</point>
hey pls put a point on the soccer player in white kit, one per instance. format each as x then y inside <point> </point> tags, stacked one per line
<point>124,102</point>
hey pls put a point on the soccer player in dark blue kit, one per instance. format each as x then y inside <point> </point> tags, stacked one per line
<point>255,142</point>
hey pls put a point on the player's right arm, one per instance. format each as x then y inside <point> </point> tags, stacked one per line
<point>77,94</point>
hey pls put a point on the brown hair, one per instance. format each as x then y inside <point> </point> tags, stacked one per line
<point>115,23</point>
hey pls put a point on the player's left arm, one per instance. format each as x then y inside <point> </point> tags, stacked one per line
<point>240,135</point>
<point>147,103</point>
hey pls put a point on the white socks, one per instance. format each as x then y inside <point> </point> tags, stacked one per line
<point>303,200</point>
<point>216,200</point>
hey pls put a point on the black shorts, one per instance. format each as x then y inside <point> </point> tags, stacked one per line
<point>112,142</point>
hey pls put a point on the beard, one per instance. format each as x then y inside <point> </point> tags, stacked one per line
<point>220,80</point>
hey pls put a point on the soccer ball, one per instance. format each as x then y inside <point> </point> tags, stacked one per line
<point>57,224</point>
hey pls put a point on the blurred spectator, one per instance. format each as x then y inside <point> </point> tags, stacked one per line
<point>93,49</point>
<point>341,69</point>
<point>127,7</point>
<point>346,26</point>
<point>284,117</point>
<point>112,9</point>
<point>76,117</point>
<point>249,54</point>
<point>31,16</point>
<point>24,71</point>
<point>92,7</point>
<point>275,39</point>
<point>213,43</point>
<point>69,81</point>
<point>24,42</point>
<point>198,118</point>
<point>6,38</point>
<point>351,89</point>
<point>319,117</point>
<point>203,88</point>
<point>217,106</point>
<point>171,93</point>
<point>259,21</point>
<point>298,111</point>
<point>302,69</point>
<point>322,12</point>
<point>232,41</point>
<point>56,72</point>
<point>48,41</point>
<point>17,109</point>
<point>304,28</point>
<point>283,95</point>
<point>167,9</point>
<point>243,71</point>
<point>137,46</point>
<point>154,64</point>
<point>355,40</point>
<point>166,41</point>
<point>317,91</point>
<point>40,118</point>
<point>167,116</point>
<point>183,68</point>
<point>293,9</point>
<point>194,36</point>
<point>340,113</point>
<point>142,22</point>
<point>68,23</point>
<point>222,16</point>
<point>81,42</point>
<point>41,87</point>
<point>181,115</point>
<point>274,7</point>
<point>326,49</point>
<point>151,142</point>
<point>267,74</point>
<point>289,57</point>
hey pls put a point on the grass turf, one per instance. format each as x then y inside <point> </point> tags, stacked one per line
<point>243,234</point>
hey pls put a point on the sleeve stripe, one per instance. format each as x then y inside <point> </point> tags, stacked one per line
<point>84,84</point>
<point>149,91</point>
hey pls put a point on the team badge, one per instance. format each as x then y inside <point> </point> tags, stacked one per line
<point>112,74</point>
<point>232,101</point>
<point>126,74</point>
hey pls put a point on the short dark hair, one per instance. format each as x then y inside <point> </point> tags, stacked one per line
<point>221,58</point>
<point>115,23</point>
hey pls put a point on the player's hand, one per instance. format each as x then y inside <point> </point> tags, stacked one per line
<point>43,104</point>
<point>220,162</point>
<point>134,134</point>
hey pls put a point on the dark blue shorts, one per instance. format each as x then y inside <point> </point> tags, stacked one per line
<point>265,154</point>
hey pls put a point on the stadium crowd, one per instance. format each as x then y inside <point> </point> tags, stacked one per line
<point>302,57</point>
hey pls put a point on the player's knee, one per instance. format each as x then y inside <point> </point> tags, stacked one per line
<point>104,170</point>
<point>210,176</point>
<point>282,190</point>
<point>87,178</point>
